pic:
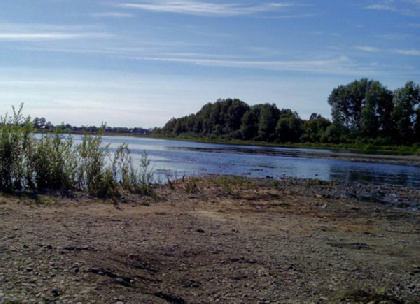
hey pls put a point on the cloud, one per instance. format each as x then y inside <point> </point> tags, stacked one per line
<point>382,7</point>
<point>49,36</point>
<point>204,8</point>
<point>408,52</point>
<point>404,7</point>
<point>365,48</point>
<point>43,32</point>
<point>165,53</point>
<point>335,66</point>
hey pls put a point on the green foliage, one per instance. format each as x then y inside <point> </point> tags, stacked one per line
<point>364,111</point>
<point>93,174</point>
<point>232,119</point>
<point>269,114</point>
<point>406,113</point>
<point>146,176</point>
<point>55,162</point>
<point>15,146</point>
<point>315,129</point>
<point>289,127</point>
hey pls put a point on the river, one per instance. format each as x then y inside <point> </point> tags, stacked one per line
<point>175,159</point>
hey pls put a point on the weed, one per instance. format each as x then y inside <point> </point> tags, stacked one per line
<point>191,187</point>
<point>54,162</point>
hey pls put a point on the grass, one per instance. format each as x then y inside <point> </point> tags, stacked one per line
<point>55,163</point>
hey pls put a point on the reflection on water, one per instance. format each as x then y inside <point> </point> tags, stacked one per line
<point>179,158</point>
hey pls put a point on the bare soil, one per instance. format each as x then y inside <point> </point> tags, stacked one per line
<point>215,240</point>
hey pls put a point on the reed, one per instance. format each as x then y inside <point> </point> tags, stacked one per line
<point>55,162</point>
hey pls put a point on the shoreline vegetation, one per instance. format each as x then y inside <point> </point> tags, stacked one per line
<point>56,162</point>
<point>365,116</point>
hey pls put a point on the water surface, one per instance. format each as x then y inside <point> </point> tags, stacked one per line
<point>182,158</point>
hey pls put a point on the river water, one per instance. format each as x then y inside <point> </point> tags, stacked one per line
<point>175,159</point>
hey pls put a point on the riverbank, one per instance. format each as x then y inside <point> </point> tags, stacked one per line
<point>215,240</point>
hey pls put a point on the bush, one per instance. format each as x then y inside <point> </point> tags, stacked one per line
<point>15,146</point>
<point>54,162</point>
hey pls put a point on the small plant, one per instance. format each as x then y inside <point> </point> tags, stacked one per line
<point>146,176</point>
<point>15,141</point>
<point>191,187</point>
<point>54,162</point>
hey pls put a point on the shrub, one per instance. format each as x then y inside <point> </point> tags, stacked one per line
<point>54,162</point>
<point>15,146</point>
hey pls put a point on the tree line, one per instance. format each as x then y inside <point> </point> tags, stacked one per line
<point>41,124</point>
<point>363,111</point>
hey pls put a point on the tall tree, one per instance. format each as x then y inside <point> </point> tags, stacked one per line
<point>315,128</point>
<point>376,111</point>
<point>269,114</point>
<point>361,109</point>
<point>289,127</point>
<point>249,124</point>
<point>406,103</point>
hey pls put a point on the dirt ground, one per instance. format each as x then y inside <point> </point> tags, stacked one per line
<point>215,240</point>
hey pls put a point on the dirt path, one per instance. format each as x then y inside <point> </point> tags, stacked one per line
<point>244,241</point>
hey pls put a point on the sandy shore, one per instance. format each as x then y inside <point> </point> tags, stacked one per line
<point>218,240</point>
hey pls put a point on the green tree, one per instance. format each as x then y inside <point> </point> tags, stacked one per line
<point>234,114</point>
<point>315,128</point>
<point>406,102</point>
<point>347,102</point>
<point>249,124</point>
<point>376,111</point>
<point>289,127</point>
<point>269,115</point>
<point>361,109</point>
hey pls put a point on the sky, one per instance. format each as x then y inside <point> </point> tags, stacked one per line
<point>138,63</point>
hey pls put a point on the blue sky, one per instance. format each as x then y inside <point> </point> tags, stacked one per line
<point>139,63</point>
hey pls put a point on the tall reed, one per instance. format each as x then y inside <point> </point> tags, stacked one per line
<point>55,162</point>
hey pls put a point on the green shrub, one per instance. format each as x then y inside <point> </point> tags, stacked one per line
<point>54,162</point>
<point>15,146</point>
<point>91,157</point>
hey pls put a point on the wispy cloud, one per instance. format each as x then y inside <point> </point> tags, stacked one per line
<point>337,66</point>
<point>43,32</point>
<point>204,8</point>
<point>405,7</point>
<point>382,7</point>
<point>411,52</point>
<point>369,49</point>
<point>49,36</point>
